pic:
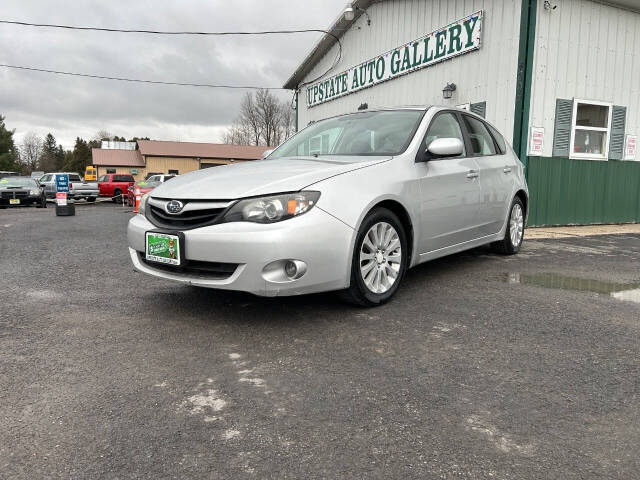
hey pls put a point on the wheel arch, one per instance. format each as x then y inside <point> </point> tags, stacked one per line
<point>401,212</point>
<point>524,198</point>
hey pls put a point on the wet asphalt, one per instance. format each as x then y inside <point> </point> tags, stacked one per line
<point>483,366</point>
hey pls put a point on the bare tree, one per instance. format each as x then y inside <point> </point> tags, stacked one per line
<point>287,122</point>
<point>268,109</point>
<point>238,134</point>
<point>263,120</point>
<point>30,151</point>
<point>250,119</point>
<point>103,135</point>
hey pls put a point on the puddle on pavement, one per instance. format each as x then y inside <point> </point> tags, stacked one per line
<point>626,292</point>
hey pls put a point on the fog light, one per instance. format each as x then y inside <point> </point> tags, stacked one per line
<point>291,269</point>
<point>284,271</point>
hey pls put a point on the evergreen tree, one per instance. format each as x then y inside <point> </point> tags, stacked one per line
<point>8,151</point>
<point>59,158</point>
<point>78,160</point>
<point>47,161</point>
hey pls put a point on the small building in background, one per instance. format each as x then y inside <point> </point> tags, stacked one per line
<point>154,157</point>
<point>118,161</point>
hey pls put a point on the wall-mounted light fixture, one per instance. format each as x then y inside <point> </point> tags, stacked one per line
<point>350,13</point>
<point>549,6</point>
<point>447,91</point>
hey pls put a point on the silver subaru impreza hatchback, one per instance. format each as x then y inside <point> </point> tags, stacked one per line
<point>349,203</point>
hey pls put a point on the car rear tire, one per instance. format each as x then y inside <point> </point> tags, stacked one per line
<point>117,195</point>
<point>91,199</point>
<point>514,234</point>
<point>379,259</point>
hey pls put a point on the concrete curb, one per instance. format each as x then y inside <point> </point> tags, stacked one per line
<point>580,231</point>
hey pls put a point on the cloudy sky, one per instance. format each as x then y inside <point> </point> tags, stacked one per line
<point>69,107</point>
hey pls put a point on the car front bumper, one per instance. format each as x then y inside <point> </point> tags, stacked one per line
<point>316,238</point>
<point>24,201</point>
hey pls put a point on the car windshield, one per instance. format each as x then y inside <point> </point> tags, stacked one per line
<point>8,182</point>
<point>367,134</point>
<point>147,184</point>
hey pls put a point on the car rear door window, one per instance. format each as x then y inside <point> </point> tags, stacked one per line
<point>502,145</point>
<point>480,139</point>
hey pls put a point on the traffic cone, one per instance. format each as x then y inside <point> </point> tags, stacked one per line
<point>138,196</point>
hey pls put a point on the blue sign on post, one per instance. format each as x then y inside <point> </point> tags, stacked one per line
<point>62,183</point>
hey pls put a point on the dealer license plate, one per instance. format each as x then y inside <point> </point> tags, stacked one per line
<point>163,248</point>
<point>14,201</point>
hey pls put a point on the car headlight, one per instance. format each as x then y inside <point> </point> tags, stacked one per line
<point>273,208</point>
<point>35,192</point>
<point>143,203</point>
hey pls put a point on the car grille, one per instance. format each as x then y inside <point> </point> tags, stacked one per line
<point>196,268</point>
<point>15,194</point>
<point>194,214</point>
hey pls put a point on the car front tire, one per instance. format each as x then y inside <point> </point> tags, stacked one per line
<point>514,234</point>
<point>379,259</point>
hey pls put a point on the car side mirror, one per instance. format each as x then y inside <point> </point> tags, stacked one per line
<point>444,147</point>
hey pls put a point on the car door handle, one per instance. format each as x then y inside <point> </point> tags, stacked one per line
<point>473,174</point>
<point>506,170</point>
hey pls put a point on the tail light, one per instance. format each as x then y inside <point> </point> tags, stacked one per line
<point>70,186</point>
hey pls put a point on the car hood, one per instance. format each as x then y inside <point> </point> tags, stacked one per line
<point>259,177</point>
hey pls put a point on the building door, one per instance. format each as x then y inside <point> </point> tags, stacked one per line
<point>449,190</point>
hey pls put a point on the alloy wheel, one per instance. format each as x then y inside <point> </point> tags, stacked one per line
<point>380,257</point>
<point>516,225</point>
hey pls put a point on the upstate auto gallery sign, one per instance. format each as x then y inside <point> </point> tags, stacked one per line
<point>447,42</point>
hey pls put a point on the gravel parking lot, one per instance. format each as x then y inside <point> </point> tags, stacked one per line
<point>482,367</point>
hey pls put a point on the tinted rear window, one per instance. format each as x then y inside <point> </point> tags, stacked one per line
<point>74,178</point>
<point>122,178</point>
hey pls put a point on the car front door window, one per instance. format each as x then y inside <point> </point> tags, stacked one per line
<point>444,125</point>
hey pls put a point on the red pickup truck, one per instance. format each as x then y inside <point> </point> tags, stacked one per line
<point>114,185</point>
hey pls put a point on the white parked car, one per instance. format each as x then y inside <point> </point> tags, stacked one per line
<point>349,203</point>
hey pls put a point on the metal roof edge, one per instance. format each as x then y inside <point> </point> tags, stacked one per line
<point>322,46</point>
<point>631,5</point>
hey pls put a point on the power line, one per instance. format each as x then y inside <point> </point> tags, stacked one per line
<point>185,32</point>
<point>165,32</point>
<point>136,80</point>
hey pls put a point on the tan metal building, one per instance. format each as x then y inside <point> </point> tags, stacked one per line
<point>153,156</point>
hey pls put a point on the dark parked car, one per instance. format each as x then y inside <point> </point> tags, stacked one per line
<point>19,191</point>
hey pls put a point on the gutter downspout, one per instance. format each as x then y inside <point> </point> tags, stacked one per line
<point>524,80</point>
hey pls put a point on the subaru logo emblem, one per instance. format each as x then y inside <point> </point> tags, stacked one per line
<point>174,206</point>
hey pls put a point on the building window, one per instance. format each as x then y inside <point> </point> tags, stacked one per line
<point>591,129</point>
<point>111,170</point>
<point>173,172</point>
